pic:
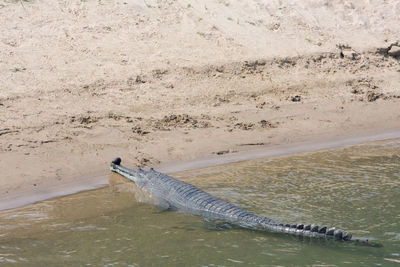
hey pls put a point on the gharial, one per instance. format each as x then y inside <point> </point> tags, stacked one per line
<point>187,198</point>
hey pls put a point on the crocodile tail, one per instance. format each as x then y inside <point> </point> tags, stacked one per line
<point>310,230</point>
<point>321,232</point>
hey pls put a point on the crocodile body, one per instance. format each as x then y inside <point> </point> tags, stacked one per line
<point>188,198</point>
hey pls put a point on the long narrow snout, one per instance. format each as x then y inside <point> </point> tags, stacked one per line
<point>129,174</point>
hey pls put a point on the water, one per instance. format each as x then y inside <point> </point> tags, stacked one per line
<point>355,188</point>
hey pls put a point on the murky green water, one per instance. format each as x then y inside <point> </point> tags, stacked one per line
<point>355,188</point>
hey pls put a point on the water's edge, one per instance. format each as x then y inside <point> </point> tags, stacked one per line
<point>101,180</point>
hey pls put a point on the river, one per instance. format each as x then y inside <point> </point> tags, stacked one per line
<point>354,188</point>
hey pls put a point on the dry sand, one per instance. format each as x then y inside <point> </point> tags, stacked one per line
<point>157,82</point>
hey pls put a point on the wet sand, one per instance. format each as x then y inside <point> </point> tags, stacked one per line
<point>166,82</point>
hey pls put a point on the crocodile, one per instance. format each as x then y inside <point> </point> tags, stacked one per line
<point>187,198</point>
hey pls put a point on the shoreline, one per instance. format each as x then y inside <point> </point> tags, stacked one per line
<point>98,181</point>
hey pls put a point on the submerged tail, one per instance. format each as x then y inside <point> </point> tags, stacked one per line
<point>319,232</point>
<point>309,230</point>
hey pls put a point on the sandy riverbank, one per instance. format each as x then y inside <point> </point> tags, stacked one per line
<point>157,82</point>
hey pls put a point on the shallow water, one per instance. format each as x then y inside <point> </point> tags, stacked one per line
<point>355,188</point>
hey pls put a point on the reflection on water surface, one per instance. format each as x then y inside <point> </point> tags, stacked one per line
<point>355,188</point>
